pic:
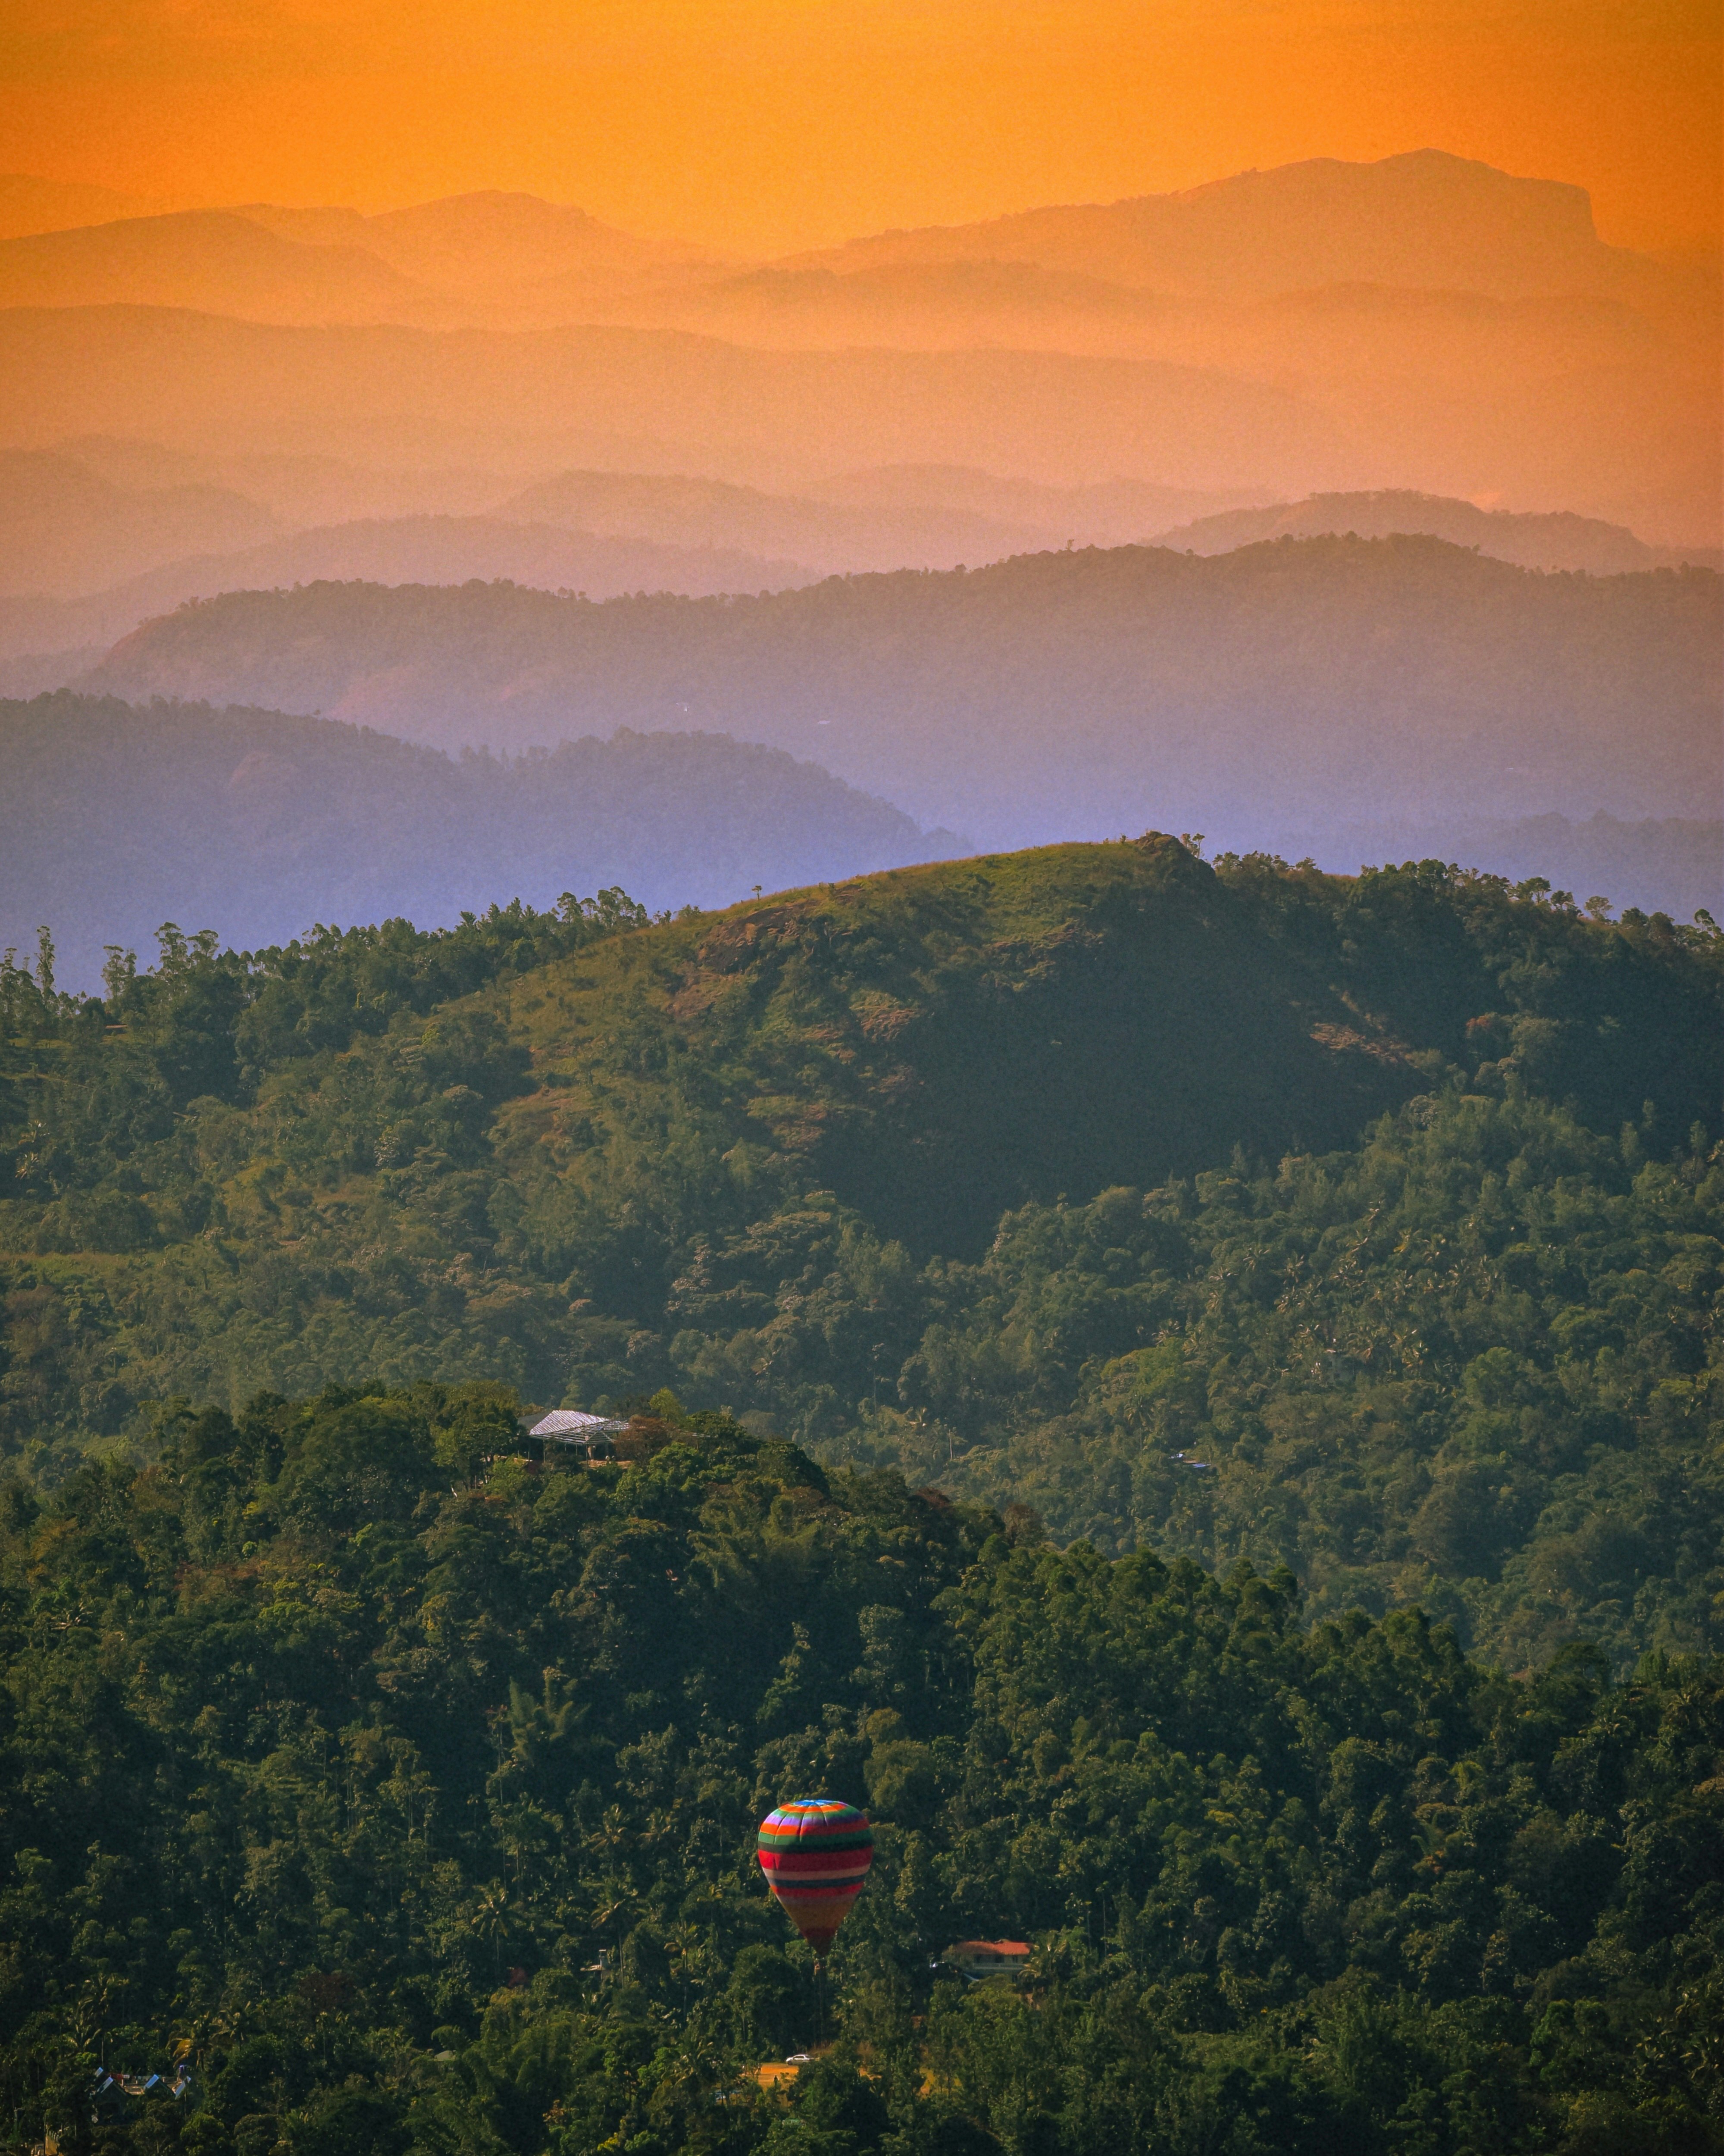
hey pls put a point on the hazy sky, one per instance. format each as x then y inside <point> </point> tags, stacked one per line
<point>768,124</point>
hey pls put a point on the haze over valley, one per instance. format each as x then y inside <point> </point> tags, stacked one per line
<point>1426,385</point>
<point>114,820</point>
<point>1295,686</point>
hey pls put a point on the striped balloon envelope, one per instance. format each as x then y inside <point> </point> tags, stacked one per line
<point>815,1853</point>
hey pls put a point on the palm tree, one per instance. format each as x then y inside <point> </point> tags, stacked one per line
<point>491,1919</point>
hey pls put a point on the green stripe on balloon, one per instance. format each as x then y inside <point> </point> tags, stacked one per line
<point>815,1853</point>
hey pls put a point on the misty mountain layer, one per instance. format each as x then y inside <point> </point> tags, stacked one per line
<point>1292,688</point>
<point>74,519</point>
<point>1551,540</point>
<point>113,821</point>
<point>645,399</point>
<point>1324,222</point>
<point>1423,321</point>
<point>98,534</point>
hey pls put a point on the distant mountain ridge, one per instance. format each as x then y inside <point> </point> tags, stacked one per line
<point>114,820</point>
<point>1625,437</point>
<point>445,262</point>
<point>1424,321</point>
<point>492,239</point>
<point>1424,217</point>
<point>29,203</point>
<point>64,529</point>
<point>104,534</point>
<point>630,399</point>
<point>698,513</point>
<point>403,550</point>
<point>76,526</point>
<point>1284,687</point>
<point>212,259</point>
<point>1553,540</point>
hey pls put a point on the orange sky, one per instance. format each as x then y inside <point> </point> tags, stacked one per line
<point>762,126</point>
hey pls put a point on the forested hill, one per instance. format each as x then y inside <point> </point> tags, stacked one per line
<point>1394,1200</point>
<point>380,1799</point>
<point>1288,687</point>
<point>114,819</point>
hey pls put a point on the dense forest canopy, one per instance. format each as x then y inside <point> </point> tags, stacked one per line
<point>402,1796</point>
<point>114,819</point>
<point>1289,687</point>
<point>1394,1200</point>
<point>1672,865</point>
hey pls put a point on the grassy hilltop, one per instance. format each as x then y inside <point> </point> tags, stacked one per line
<point>1393,1198</point>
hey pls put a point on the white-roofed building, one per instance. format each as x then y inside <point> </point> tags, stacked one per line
<point>584,1436</point>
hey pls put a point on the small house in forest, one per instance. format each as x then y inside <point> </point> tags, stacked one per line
<point>976,1958</point>
<point>567,1433</point>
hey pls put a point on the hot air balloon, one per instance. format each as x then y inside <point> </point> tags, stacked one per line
<point>815,1853</point>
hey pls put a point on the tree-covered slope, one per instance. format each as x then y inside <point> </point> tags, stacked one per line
<point>403,1801</point>
<point>1394,1199</point>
